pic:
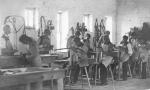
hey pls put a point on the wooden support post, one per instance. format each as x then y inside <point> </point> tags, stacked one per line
<point>60,83</point>
<point>27,87</point>
<point>38,85</point>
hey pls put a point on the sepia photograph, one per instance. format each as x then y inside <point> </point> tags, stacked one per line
<point>74,44</point>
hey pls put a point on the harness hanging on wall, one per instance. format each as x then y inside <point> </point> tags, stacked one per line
<point>45,25</point>
<point>99,31</point>
<point>17,24</point>
<point>96,34</point>
<point>81,28</point>
<point>42,26</point>
<point>102,27</point>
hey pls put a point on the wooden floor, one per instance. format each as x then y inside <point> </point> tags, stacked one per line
<point>130,84</point>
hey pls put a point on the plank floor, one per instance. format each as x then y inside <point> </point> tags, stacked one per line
<point>130,84</point>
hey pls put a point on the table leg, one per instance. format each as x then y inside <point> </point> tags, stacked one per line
<point>95,74</point>
<point>60,85</point>
<point>52,85</point>
<point>38,85</point>
<point>27,87</point>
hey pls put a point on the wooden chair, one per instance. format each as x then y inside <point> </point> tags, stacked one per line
<point>67,78</point>
<point>82,69</point>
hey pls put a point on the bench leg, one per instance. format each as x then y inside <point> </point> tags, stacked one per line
<point>38,85</point>
<point>60,84</point>
<point>27,87</point>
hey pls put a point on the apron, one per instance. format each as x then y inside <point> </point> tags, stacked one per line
<point>124,56</point>
<point>106,59</point>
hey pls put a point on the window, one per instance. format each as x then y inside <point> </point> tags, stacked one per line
<point>62,29</point>
<point>88,20</point>
<point>108,25</point>
<point>31,18</point>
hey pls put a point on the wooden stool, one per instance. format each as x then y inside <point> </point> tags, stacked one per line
<point>97,73</point>
<point>68,77</point>
<point>84,68</point>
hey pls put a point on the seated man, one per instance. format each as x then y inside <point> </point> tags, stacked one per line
<point>75,43</point>
<point>79,57</point>
<point>105,61</point>
<point>88,44</point>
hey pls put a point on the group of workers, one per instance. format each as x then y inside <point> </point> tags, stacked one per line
<point>130,58</point>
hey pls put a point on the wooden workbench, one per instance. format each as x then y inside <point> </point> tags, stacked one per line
<point>53,60</point>
<point>12,61</point>
<point>32,75</point>
<point>47,58</point>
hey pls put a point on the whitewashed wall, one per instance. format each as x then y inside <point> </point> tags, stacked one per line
<point>50,8</point>
<point>131,13</point>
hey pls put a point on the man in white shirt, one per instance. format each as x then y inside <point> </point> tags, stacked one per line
<point>126,56</point>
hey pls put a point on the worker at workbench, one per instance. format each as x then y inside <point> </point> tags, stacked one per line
<point>44,42</point>
<point>34,57</point>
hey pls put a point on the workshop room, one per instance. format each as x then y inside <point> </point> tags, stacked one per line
<point>74,44</point>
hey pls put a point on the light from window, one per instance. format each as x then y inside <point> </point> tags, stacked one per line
<point>62,29</point>
<point>31,18</point>
<point>88,20</point>
<point>108,25</point>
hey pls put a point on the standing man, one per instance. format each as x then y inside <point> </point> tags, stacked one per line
<point>126,56</point>
<point>70,43</point>
<point>106,60</point>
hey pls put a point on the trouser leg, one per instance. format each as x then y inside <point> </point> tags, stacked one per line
<point>124,69</point>
<point>137,68</point>
<point>131,63</point>
<point>144,70</point>
<point>113,68</point>
<point>75,72</point>
<point>103,73</point>
<point>90,70</point>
